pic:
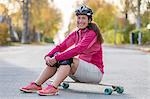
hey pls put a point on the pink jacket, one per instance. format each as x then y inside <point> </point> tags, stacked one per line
<point>86,46</point>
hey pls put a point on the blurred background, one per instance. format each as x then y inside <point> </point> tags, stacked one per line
<point>29,29</point>
<point>50,21</point>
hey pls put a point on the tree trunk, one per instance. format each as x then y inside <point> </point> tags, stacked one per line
<point>138,25</point>
<point>25,33</point>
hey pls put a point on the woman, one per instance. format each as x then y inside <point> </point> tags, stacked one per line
<point>82,62</point>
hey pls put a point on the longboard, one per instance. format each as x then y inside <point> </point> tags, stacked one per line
<point>107,89</point>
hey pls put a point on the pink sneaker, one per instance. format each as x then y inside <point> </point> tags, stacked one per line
<point>32,87</point>
<point>48,91</point>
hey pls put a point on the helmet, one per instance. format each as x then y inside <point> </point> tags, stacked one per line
<point>83,10</point>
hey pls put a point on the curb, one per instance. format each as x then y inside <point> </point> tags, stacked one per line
<point>145,50</point>
<point>133,47</point>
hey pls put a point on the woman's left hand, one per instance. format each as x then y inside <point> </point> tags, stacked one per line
<point>52,61</point>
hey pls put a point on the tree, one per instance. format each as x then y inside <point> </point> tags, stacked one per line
<point>105,17</point>
<point>38,16</point>
<point>146,15</point>
<point>6,14</point>
<point>48,20</point>
<point>104,14</point>
<point>3,10</point>
<point>25,12</point>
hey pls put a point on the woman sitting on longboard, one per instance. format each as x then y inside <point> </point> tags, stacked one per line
<point>82,63</point>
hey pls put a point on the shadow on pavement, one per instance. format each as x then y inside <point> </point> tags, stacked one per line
<point>12,77</point>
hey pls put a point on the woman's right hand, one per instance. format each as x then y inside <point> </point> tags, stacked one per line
<point>47,59</point>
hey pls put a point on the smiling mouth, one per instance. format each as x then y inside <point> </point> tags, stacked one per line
<point>81,24</point>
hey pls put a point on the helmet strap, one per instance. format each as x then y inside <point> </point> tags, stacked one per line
<point>89,20</point>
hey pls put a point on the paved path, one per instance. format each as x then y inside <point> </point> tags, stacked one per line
<point>129,68</point>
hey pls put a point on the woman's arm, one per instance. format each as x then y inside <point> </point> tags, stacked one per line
<point>69,41</point>
<point>79,48</point>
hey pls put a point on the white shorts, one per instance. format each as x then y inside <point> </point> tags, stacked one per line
<point>87,72</point>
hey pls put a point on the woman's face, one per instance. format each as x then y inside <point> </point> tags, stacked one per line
<point>82,21</point>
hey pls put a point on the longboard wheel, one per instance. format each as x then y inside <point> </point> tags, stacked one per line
<point>120,90</point>
<point>108,91</point>
<point>65,85</point>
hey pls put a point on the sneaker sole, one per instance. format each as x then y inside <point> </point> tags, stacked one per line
<point>28,91</point>
<point>52,94</point>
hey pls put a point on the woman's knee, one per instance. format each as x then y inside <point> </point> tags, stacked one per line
<point>75,61</point>
<point>74,66</point>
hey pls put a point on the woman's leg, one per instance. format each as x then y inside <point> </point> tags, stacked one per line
<point>74,66</point>
<point>45,75</point>
<point>63,71</point>
<point>61,74</point>
<point>87,72</point>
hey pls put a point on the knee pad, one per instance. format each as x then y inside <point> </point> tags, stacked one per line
<point>66,62</point>
<point>56,65</point>
<point>62,62</point>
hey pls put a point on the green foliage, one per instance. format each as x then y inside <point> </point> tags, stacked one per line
<point>145,18</point>
<point>46,19</point>
<point>95,5</point>
<point>109,37</point>
<point>134,34</point>
<point>105,14</point>
<point>119,38</point>
<point>145,35</point>
<point>123,29</point>
<point>126,31</point>
<point>48,40</point>
<point>104,17</point>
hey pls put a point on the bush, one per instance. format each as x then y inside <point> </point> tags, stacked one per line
<point>4,35</point>
<point>134,36</point>
<point>109,37</point>
<point>145,35</point>
<point>126,32</point>
<point>48,40</point>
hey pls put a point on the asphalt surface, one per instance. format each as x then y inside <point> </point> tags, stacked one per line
<point>129,68</point>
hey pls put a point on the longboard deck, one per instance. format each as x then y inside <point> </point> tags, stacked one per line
<point>106,89</point>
